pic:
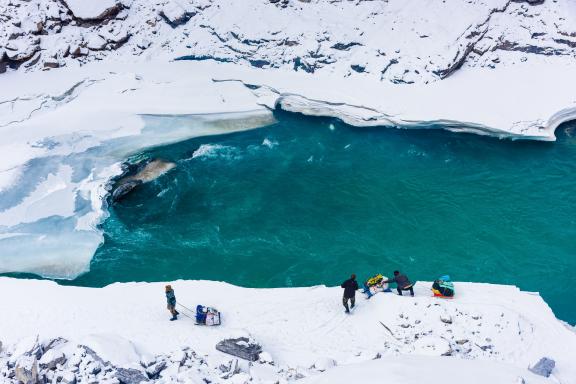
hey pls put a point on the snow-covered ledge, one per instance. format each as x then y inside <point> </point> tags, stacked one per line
<point>487,333</point>
<point>525,101</point>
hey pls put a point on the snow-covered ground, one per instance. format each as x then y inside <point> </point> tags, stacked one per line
<point>488,333</point>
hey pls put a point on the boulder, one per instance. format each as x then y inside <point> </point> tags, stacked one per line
<point>130,376</point>
<point>32,24</point>
<point>27,369</point>
<point>324,364</point>
<point>68,378</point>
<point>51,359</point>
<point>28,346</point>
<point>93,355</point>
<point>179,357</point>
<point>33,60</point>
<point>96,43</point>
<point>543,367</point>
<point>123,189</point>
<point>175,14</point>
<point>241,347</point>
<point>147,360</point>
<point>15,33</point>
<point>266,358</point>
<point>93,368</point>
<point>93,10</point>
<point>78,51</point>
<point>22,50</point>
<point>446,319</point>
<point>143,44</point>
<point>530,2</point>
<point>51,63</point>
<point>154,370</point>
<point>116,34</point>
<point>54,343</point>
<point>137,174</point>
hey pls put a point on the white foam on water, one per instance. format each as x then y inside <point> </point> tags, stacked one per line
<point>207,150</point>
<point>269,143</point>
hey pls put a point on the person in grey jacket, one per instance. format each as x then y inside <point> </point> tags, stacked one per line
<point>171,301</point>
<point>402,283</point>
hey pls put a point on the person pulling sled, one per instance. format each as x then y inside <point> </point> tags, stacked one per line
<point>171,302</point>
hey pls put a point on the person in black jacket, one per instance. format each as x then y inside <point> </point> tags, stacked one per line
<point>402,283</point>
<point>350,287</point>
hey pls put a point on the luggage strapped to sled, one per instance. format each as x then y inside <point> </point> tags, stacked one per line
<point>203,315</point>
<point>207,316</point>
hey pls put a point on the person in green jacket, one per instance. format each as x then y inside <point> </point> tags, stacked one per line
<point>171,300</point>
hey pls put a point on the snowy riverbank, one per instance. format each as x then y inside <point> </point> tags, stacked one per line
<point>487,332</point>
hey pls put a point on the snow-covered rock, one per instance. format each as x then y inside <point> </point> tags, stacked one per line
<point>130,376</point>
<point>175,13</point>
<point>96,43</point>
<point>51,359</point>
<point>26,370</point>
<point>22,49</point>
<point>324,364</point>
<point>68,378</point>
<point>93,10</point>
<point>28,346</point>
<point>266,358</point>
<point>544,367</point>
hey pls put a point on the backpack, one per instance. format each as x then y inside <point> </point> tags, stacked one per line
<point>375,280</point>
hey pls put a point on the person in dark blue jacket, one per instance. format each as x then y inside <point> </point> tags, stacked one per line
<point>171,300</point>
<point>350,287</point>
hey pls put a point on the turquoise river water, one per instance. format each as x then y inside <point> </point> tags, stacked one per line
<point>307,201</point>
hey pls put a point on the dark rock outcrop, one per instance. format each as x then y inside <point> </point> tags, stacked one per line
<point>241,347</point>
<point>130,376</point>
